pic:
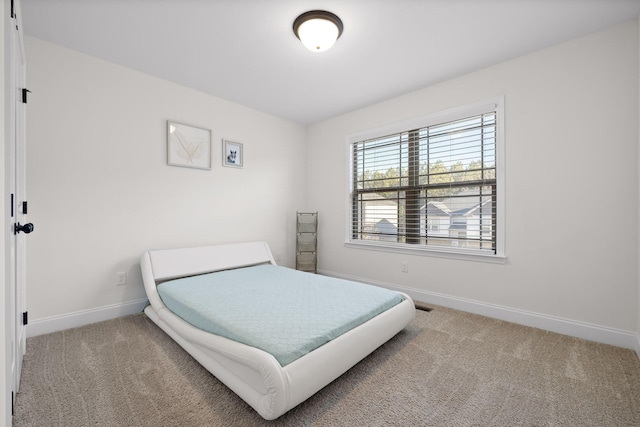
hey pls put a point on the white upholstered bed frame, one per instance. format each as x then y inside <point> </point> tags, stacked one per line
<point>251,373</point>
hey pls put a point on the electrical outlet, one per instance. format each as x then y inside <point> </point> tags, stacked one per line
<point>277,257</point>
<point>121,278</point>
<point>404,267</point>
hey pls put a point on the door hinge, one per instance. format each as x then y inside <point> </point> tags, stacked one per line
<point>25,318</point>
<point>12,197</point>
<point>24,208</point>
<point>13,15</point>
<point>24,95</point>
<point>13,411</point>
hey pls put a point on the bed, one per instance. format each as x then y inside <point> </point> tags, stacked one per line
<point>270,382</point>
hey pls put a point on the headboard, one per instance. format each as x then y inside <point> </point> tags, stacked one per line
<point>173,263</point>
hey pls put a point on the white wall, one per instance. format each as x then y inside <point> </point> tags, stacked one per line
<point>101,193</point>
<point>571,186</point>
<point>638,297</point>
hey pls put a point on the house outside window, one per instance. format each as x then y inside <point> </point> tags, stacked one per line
<point>432,185</point>
<point>433,224</point>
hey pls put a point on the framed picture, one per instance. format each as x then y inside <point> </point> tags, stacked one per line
<point>232,154</point>
<point>188,146</point>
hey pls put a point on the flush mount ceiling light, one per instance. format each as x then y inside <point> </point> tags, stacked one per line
<point>318,30</point>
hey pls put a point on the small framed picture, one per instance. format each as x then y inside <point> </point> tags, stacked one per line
<point>188,146</point>
<point>232,154</point>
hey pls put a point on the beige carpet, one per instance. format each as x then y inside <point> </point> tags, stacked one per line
<point>447,368</point>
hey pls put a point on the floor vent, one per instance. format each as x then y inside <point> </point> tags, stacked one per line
<point>422,306</point>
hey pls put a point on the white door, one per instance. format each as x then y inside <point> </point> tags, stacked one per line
<point>18,226</point>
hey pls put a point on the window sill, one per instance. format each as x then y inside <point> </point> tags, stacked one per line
<point>451,254</point>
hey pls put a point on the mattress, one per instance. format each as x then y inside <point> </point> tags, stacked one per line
<point>285,312</point>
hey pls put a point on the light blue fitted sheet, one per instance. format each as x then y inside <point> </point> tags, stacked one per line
<point>284,312</point>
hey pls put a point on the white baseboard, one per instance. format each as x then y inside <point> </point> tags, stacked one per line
<point>588,331</point>
<point>84,317</point>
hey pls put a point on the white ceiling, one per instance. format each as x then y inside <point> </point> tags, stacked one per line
<point>245,50</point>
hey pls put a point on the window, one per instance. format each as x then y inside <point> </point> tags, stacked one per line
<point>432,184</point>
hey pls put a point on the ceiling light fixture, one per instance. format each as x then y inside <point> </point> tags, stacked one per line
<point>318,30</point>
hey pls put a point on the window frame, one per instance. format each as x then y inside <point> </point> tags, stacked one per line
<point>496,105</point>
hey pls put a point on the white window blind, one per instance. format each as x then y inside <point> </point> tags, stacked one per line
<point>433,186</point>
